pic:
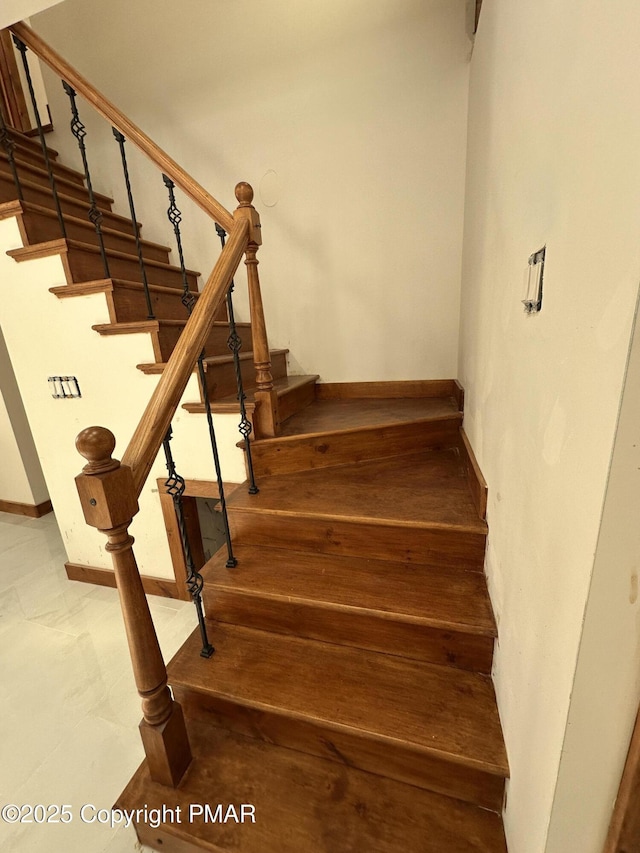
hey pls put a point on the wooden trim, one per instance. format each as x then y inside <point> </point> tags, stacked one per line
<point>193,489</point>
<point>208,488</point>
<point>84,288</point>
<point>106,577</point>
<point>175,545</point>
<point>134,134</point>
<point>151,430</point>
<point>379,390</point>
<point>477,483</point>
<point>40,250</point>
<point>478,10</point>
<point>624,829</point>
<point>13,99</point>
<point>10,208</point>
<point>30,510</point>
<point>458,393</point>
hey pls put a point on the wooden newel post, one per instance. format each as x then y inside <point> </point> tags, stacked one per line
<point>265,419</point>
<point>109,502</point>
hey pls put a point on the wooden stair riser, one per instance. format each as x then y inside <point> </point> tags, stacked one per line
<point>42,196</point>
<point>286,455</point>
<point>443,547</point>
<point>42,227</point>
<point>27,166</point>
<point>86,265</point>
<point>222,377</point>
<point>169,337</point>
<point>291,392</point>
<point>295,399</point>
<point>217,342</point>
<point>129,304</point>
<point>391,759</point>
<point>347,626</point>
<point>65,185</point>
<point>30,149</point>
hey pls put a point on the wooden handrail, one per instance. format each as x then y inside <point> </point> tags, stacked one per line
<point>119,120</point>
<point>150,432</point>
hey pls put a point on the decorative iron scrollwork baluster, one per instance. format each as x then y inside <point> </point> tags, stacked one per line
<point>234,343</point>
<point>188,300</point>
<point>9,146</point>
<point>22,48</point>
<point>175,218</point>
<point>95,215</point>
<point>136,231</point>
<point>175,487</point>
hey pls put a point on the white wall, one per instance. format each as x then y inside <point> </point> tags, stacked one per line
<point>17,10</point>
<point>114,394</point>
<point>358,108</point>
<point>606,691</point>
<point>21,478</point>
<point>554,135</point>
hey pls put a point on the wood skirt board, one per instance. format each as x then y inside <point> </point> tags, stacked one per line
<point>30,510</point>
<point>106,577</point>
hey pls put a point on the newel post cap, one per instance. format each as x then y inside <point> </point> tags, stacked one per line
<point>244,194</point>
<point>97,444</point>
<point>106,488</point>
<point>246,210</point>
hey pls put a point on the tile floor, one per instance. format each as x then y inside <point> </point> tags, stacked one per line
<point>69,710</point>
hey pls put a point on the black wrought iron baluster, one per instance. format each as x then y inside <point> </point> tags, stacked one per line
<point>36,112</point>
<point>175,218</point>
<point>175,486</point>
<point>8,143</point>
<point>188,300</point>
<point>136,231</point>
<point>95,215</point>
<point>234,342</point>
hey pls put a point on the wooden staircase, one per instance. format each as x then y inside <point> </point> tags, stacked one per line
<point>349,698</point>
<point>348,705</point>
<point>124,292</point>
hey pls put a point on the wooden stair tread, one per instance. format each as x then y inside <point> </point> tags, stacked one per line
<point>245,355</point>
<point>431,709</point>
<point>304,804</point>
<point>51,213</point>
<point>27,142</point>
<point>103,284</point>
<point>15,207</point>
<point>65,187</point>
<point>333,415</point>
<point>431,595</point>
<point>52,247</point>
<point>427,489</point>
<point>59,169</point>
<point>229,403</point>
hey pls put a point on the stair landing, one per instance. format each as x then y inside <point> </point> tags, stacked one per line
<point>323,415</point>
